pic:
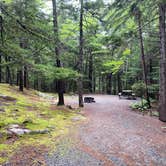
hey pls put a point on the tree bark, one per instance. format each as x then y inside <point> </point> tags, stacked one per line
<point>26,80</point>
<point>1,32</point>
<point>162,98</point>
<point>60,83</point>
<point>99,84</point>
<point>17,78</point>
<point>21,80</point>
<point>119,82</point>
<point>114,85</point>
<point>94,81</point>
<point>21,71</point>
<point>90,73</point>
<point>109,83</point>
<point>143,60</point>
<point>8,73</point>
<point>0,67</point>
<point>150,70</point>
<point>80,62</point>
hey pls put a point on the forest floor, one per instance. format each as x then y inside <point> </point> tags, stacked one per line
<point>30,125</point>
<point>114,135</point>
<point>104,133</point>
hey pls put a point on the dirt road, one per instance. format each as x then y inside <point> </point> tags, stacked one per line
<point>114,135</point>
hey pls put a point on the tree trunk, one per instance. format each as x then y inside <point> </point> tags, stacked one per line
<point>80,62</point>
<point>60,83</point>
<point>114,85</point>
<point>18,78</point>
<point>119,82</point>
<point>21,80</point>
<point>26,81</point>
<point>151,70</point>
<point>1,34</point>
<point>8,74</point>
<point>94,82</point>
<point>143,60</point>
<point>109,83</point>
<point>162,99</point>
<point>90,73</point>
<point>100,84</point>
<point>0,67</point>
<point>12,77</point>
<point>104,82</point>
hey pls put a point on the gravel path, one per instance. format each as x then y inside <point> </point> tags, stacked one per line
<point>113,136</point>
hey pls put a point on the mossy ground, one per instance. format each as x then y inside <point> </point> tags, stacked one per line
<point>32,112</point>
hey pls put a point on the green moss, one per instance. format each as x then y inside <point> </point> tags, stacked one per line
<point>3,159</point>
<point>34,113</point>
<point>3,147</point>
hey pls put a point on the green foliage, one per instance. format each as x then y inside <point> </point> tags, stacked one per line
<point>126,52</point>
<point>112,66</point>
<point>65,73</point>
<point>51,73</point>
<point>110,36</point>
<point>141,106</point>
<point>153,90</point>
<point>139,89</point>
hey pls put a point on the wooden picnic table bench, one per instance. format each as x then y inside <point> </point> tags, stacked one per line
<point>89,100</point>
<point>127,93</point>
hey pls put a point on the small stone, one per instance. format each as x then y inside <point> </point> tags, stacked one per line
<point>7,98</point>
<point>14,126</point>
<point>2,110</point>
<point>26,131</point>
<point>39,131</point>
<point>19,131</point>
<point>9,134</point>
<point>77,118</point>
<point>69,107</point>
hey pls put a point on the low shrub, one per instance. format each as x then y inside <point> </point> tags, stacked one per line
<point>141,105</point>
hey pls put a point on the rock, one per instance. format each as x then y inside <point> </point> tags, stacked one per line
<point>14,126</point>
<point>2,110</point>
<point>39,131</point>
<point>4,97</point>
<point>69,106</point>
<point>77,118</point>
<point>9,134</point>
<point>19,131</point>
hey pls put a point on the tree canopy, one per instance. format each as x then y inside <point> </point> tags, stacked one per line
<point>108,46</point>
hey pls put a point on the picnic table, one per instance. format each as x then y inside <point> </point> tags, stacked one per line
<point>127,94</point>
<point>89,100</point>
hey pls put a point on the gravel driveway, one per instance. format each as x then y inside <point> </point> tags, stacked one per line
<point>113,136</point>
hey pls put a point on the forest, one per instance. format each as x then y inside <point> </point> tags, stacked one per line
<point>56,53</point>
<point>91,47</point>
<point>98,47</point>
